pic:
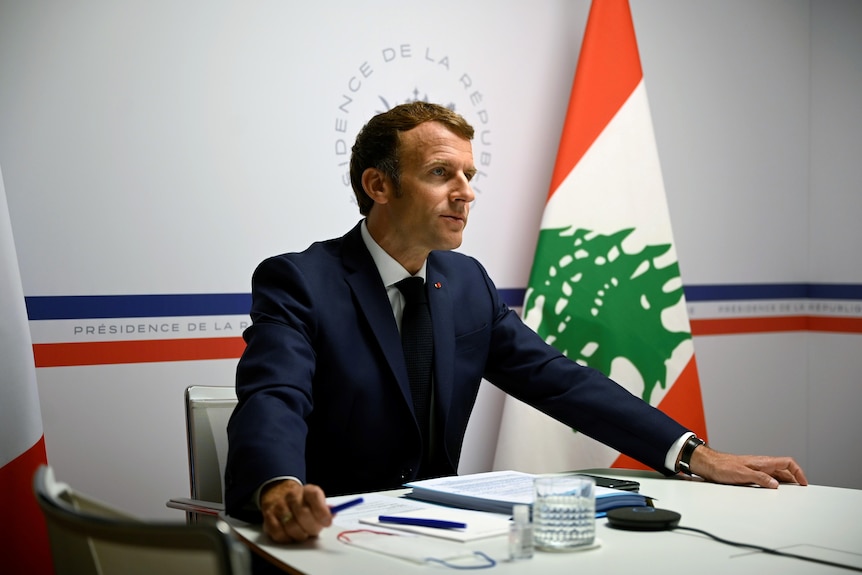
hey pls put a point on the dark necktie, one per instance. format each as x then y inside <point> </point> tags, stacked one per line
<point>418,344</point>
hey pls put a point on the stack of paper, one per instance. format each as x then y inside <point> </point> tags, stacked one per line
<point>498,491</point>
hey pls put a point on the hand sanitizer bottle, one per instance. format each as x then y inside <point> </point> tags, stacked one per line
<point>520,533</point>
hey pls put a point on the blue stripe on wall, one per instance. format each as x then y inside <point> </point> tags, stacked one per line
<point>111,306</point>
<point>174,305</point>
<point>514,297</point>
<point>729,292</point>
<point>745,292</point>
<point>835,291</point>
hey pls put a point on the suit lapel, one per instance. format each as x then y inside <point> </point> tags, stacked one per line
<point>369,291</point>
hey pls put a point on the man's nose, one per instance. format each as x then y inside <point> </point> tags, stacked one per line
<point>464,191</point>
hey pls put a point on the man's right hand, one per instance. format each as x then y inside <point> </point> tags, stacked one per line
<point>293,512</point>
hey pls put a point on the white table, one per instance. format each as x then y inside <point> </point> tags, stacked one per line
<point>817,521</point>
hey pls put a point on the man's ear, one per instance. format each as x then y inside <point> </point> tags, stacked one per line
<point>376,184</point>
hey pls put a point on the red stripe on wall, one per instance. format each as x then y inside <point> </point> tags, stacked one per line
<point>149,351</point>
<point>776,324</point>
<point>748,325</point>
<point>141,351</point>
<point>835,324</point>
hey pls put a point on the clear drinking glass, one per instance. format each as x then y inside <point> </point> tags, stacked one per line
<point>564,512</point>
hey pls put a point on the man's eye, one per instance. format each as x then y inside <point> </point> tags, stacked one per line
<point>438,171</point>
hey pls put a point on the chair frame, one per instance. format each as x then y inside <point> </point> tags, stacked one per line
<point>202,461</point>
<point>65,509</point>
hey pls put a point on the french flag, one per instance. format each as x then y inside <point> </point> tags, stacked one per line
<point>23,533</point>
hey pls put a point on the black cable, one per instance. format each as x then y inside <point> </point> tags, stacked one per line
<point>770,551</point>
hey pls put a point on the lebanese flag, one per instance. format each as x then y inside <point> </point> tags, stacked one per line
<point>605,287</point>
<point>23,533</point>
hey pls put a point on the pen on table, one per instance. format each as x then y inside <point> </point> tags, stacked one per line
<point>419,522</point>
<point>346,505</point>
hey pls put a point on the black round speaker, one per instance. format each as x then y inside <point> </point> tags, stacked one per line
<point>643,518</point>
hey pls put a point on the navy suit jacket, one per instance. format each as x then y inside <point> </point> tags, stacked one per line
<point>323,388</point>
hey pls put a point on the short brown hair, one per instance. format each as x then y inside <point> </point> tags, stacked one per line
<point>377,142</point>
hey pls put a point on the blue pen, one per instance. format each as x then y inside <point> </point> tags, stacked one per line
<point>418,522</point>
<point>346,505</point>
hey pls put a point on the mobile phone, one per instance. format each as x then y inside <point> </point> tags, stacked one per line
<point>624,484</point>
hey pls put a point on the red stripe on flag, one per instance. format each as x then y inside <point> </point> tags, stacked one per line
<point>141,351</point>
<point>683,402</point>
<point>22,529</point>
<point>609,69</point>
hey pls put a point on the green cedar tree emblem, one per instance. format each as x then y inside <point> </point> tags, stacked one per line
<point>598,303</point>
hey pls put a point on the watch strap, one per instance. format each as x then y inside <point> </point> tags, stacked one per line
<point>688,448</point>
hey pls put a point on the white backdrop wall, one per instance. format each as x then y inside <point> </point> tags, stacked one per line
<point>165,148</point>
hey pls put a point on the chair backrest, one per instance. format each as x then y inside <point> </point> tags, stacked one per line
<point>90,537</point>
<point>208,409</point>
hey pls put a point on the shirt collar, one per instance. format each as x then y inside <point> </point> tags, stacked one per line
<point>388,267</point>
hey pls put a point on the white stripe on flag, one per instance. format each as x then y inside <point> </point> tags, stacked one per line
<point>22,447</point>
<point>622,160</point>
<point>19,399</point>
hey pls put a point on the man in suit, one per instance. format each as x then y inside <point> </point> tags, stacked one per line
<point>325,403</point>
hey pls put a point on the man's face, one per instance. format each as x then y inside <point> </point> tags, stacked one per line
<point>436,168</point>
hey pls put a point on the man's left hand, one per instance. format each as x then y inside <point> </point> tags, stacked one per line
<point>732,469</point>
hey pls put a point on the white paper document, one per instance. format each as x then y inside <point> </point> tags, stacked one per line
<point>479,525</point>
<point>367,513</point>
